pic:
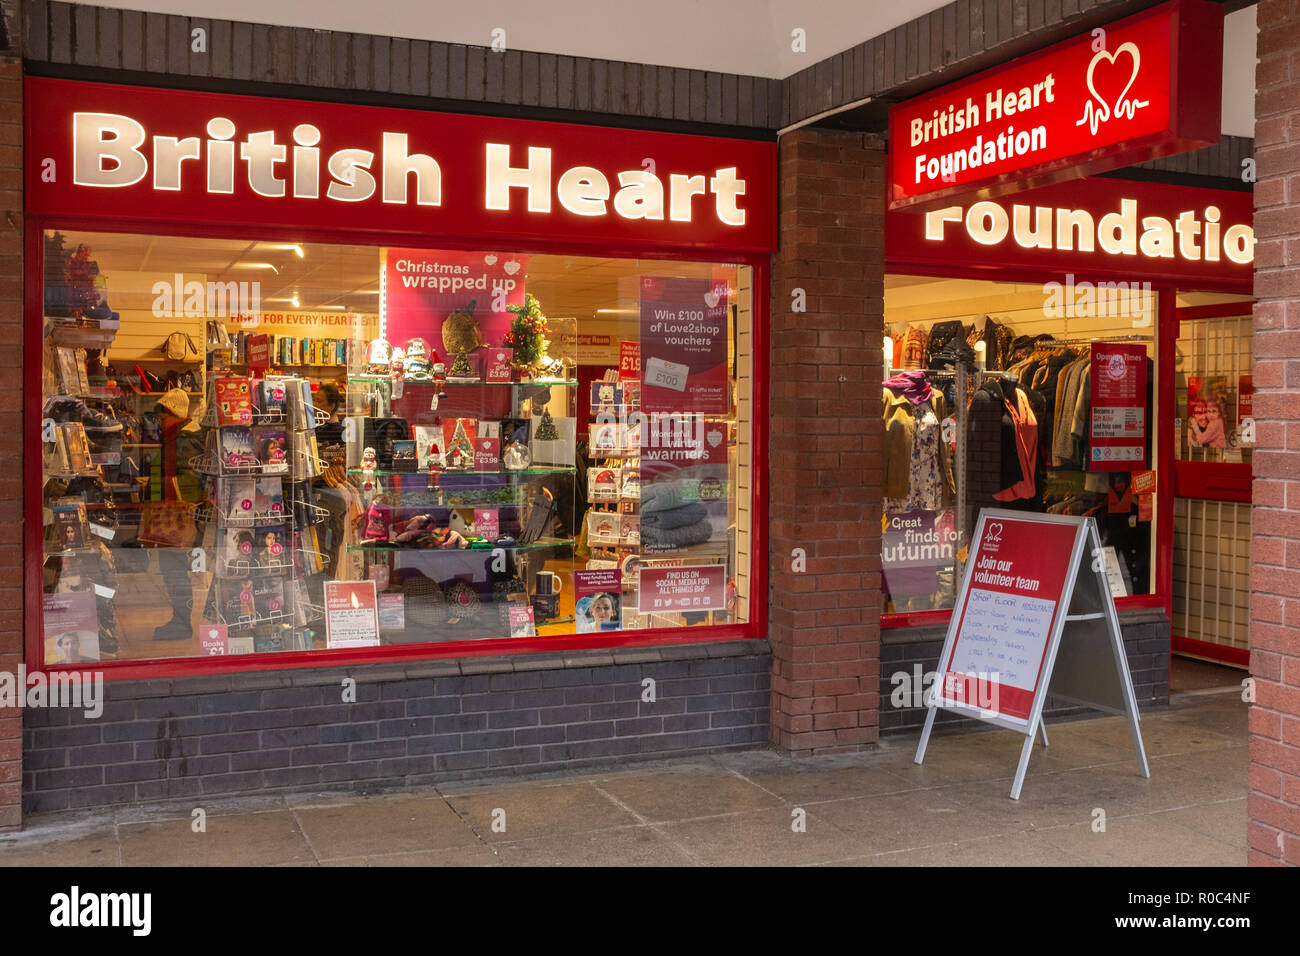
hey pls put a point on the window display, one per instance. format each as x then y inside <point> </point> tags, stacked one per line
<point>276,446</point>
<point>1007,404</point>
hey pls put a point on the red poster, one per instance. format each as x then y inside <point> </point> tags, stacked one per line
<point>1119,400</point>
<point>423,287</point>
<point>598,599</point>
<point>70,621</point>
<point>351,614</point>
<point>1245,398</point>
<point>259,353</point>
<point>1017,571</point>
<point>629,361</point>
<point>684,346</point>
<point>665,590</point>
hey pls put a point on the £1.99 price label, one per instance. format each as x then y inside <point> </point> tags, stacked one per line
<point>674,589</point>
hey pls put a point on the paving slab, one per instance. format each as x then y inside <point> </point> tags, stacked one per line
<point>764,838</point>
<point>702,791</point>
<point>626,846</point>
<point>917,818</point>
<point>252,839</point>
<point>98,848</point>
<point>382,824</point>
<point>1145,840</point>
<point>523,812</point>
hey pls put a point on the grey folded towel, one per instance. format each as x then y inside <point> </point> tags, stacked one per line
<point>675,517</point>
<point>660,495</point>
<point>658,538</point>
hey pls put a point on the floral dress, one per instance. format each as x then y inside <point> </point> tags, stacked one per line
<point>925,480</point>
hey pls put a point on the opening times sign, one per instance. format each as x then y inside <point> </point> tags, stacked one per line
<point>1118,385</point>
<point>1144,87</point>
<point>1017,573</point>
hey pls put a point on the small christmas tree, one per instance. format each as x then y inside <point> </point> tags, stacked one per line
<point>546,430</point>
<point>461,367</point>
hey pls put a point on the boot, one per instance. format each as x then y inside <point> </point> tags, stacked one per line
<point>177,629</point>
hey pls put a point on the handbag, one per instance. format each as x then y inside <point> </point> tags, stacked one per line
<point>179,346</point>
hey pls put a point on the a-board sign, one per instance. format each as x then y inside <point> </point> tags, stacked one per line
<point>1034,617</point>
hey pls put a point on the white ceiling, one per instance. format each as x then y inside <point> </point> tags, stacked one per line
<point>732,36</point>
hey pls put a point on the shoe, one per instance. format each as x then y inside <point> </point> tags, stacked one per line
<point>174,630</point>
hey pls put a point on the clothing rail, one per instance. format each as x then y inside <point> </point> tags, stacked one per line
<point>1102,339</point>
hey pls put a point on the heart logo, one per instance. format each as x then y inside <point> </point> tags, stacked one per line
<point>511,267</point>
<point>490,260</point>
<point>1095,114</point>
<point>714,437</point>
<point>711,298</point>
<point>501,356</point>
<point>213,632</point>
<point>994,532</point>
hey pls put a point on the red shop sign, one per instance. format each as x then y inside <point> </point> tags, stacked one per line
<point>1146,86</point>
<point>1101,227</point>
<point>127,152</point>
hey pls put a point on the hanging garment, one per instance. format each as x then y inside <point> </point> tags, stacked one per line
<point>918,464</point>
<point>1025,426</point>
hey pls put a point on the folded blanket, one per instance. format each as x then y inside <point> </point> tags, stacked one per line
<point>675,517</point>
<point>660,495</point>
<point>658,538</point>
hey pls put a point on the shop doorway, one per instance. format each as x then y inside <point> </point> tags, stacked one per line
<point>1214,437</point>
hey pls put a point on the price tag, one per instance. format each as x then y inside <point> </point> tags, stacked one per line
<point>666,374</point>
<point>106,593</point>
<point>398,386</point>
<point>99,529</point>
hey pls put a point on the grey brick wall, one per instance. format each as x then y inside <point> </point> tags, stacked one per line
<point>411,724</point>
<point>153,43</point>
<point>1146,639</point>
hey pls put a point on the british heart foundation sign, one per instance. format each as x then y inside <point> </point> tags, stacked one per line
<point>1144,87</point>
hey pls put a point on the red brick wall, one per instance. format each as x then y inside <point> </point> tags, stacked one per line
<point>11,430</point>
<point>825,443</point>
<point>1274,779</point>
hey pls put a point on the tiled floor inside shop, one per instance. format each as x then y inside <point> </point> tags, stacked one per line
<point>872,809</point>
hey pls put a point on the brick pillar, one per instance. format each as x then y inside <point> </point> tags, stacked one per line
<point>11,429</point>
<point>1274,803</point>
<point>825,444</point>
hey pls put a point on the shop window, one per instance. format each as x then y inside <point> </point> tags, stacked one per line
<point>252,446</point>
<point>990,402</point>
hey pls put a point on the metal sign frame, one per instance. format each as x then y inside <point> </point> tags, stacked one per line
<point>1084,619</point>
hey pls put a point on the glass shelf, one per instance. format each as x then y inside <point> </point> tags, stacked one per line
<point>386,473</point>
<point>407,383</point>
<point>484,551</point>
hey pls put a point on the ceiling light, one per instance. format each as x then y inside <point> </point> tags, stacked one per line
<point>290,247</point>
<point>257,265</point>
<point>617,311</point>
<point>294,300</point>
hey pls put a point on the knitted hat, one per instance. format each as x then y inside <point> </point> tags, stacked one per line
<point>177,402</point>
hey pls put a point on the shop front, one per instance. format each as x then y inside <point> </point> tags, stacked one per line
<point>384,445</point>
<point>1054,376</point>
<point>1062,342</point>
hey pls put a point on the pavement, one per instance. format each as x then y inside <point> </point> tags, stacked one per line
<point>1083,804</point>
